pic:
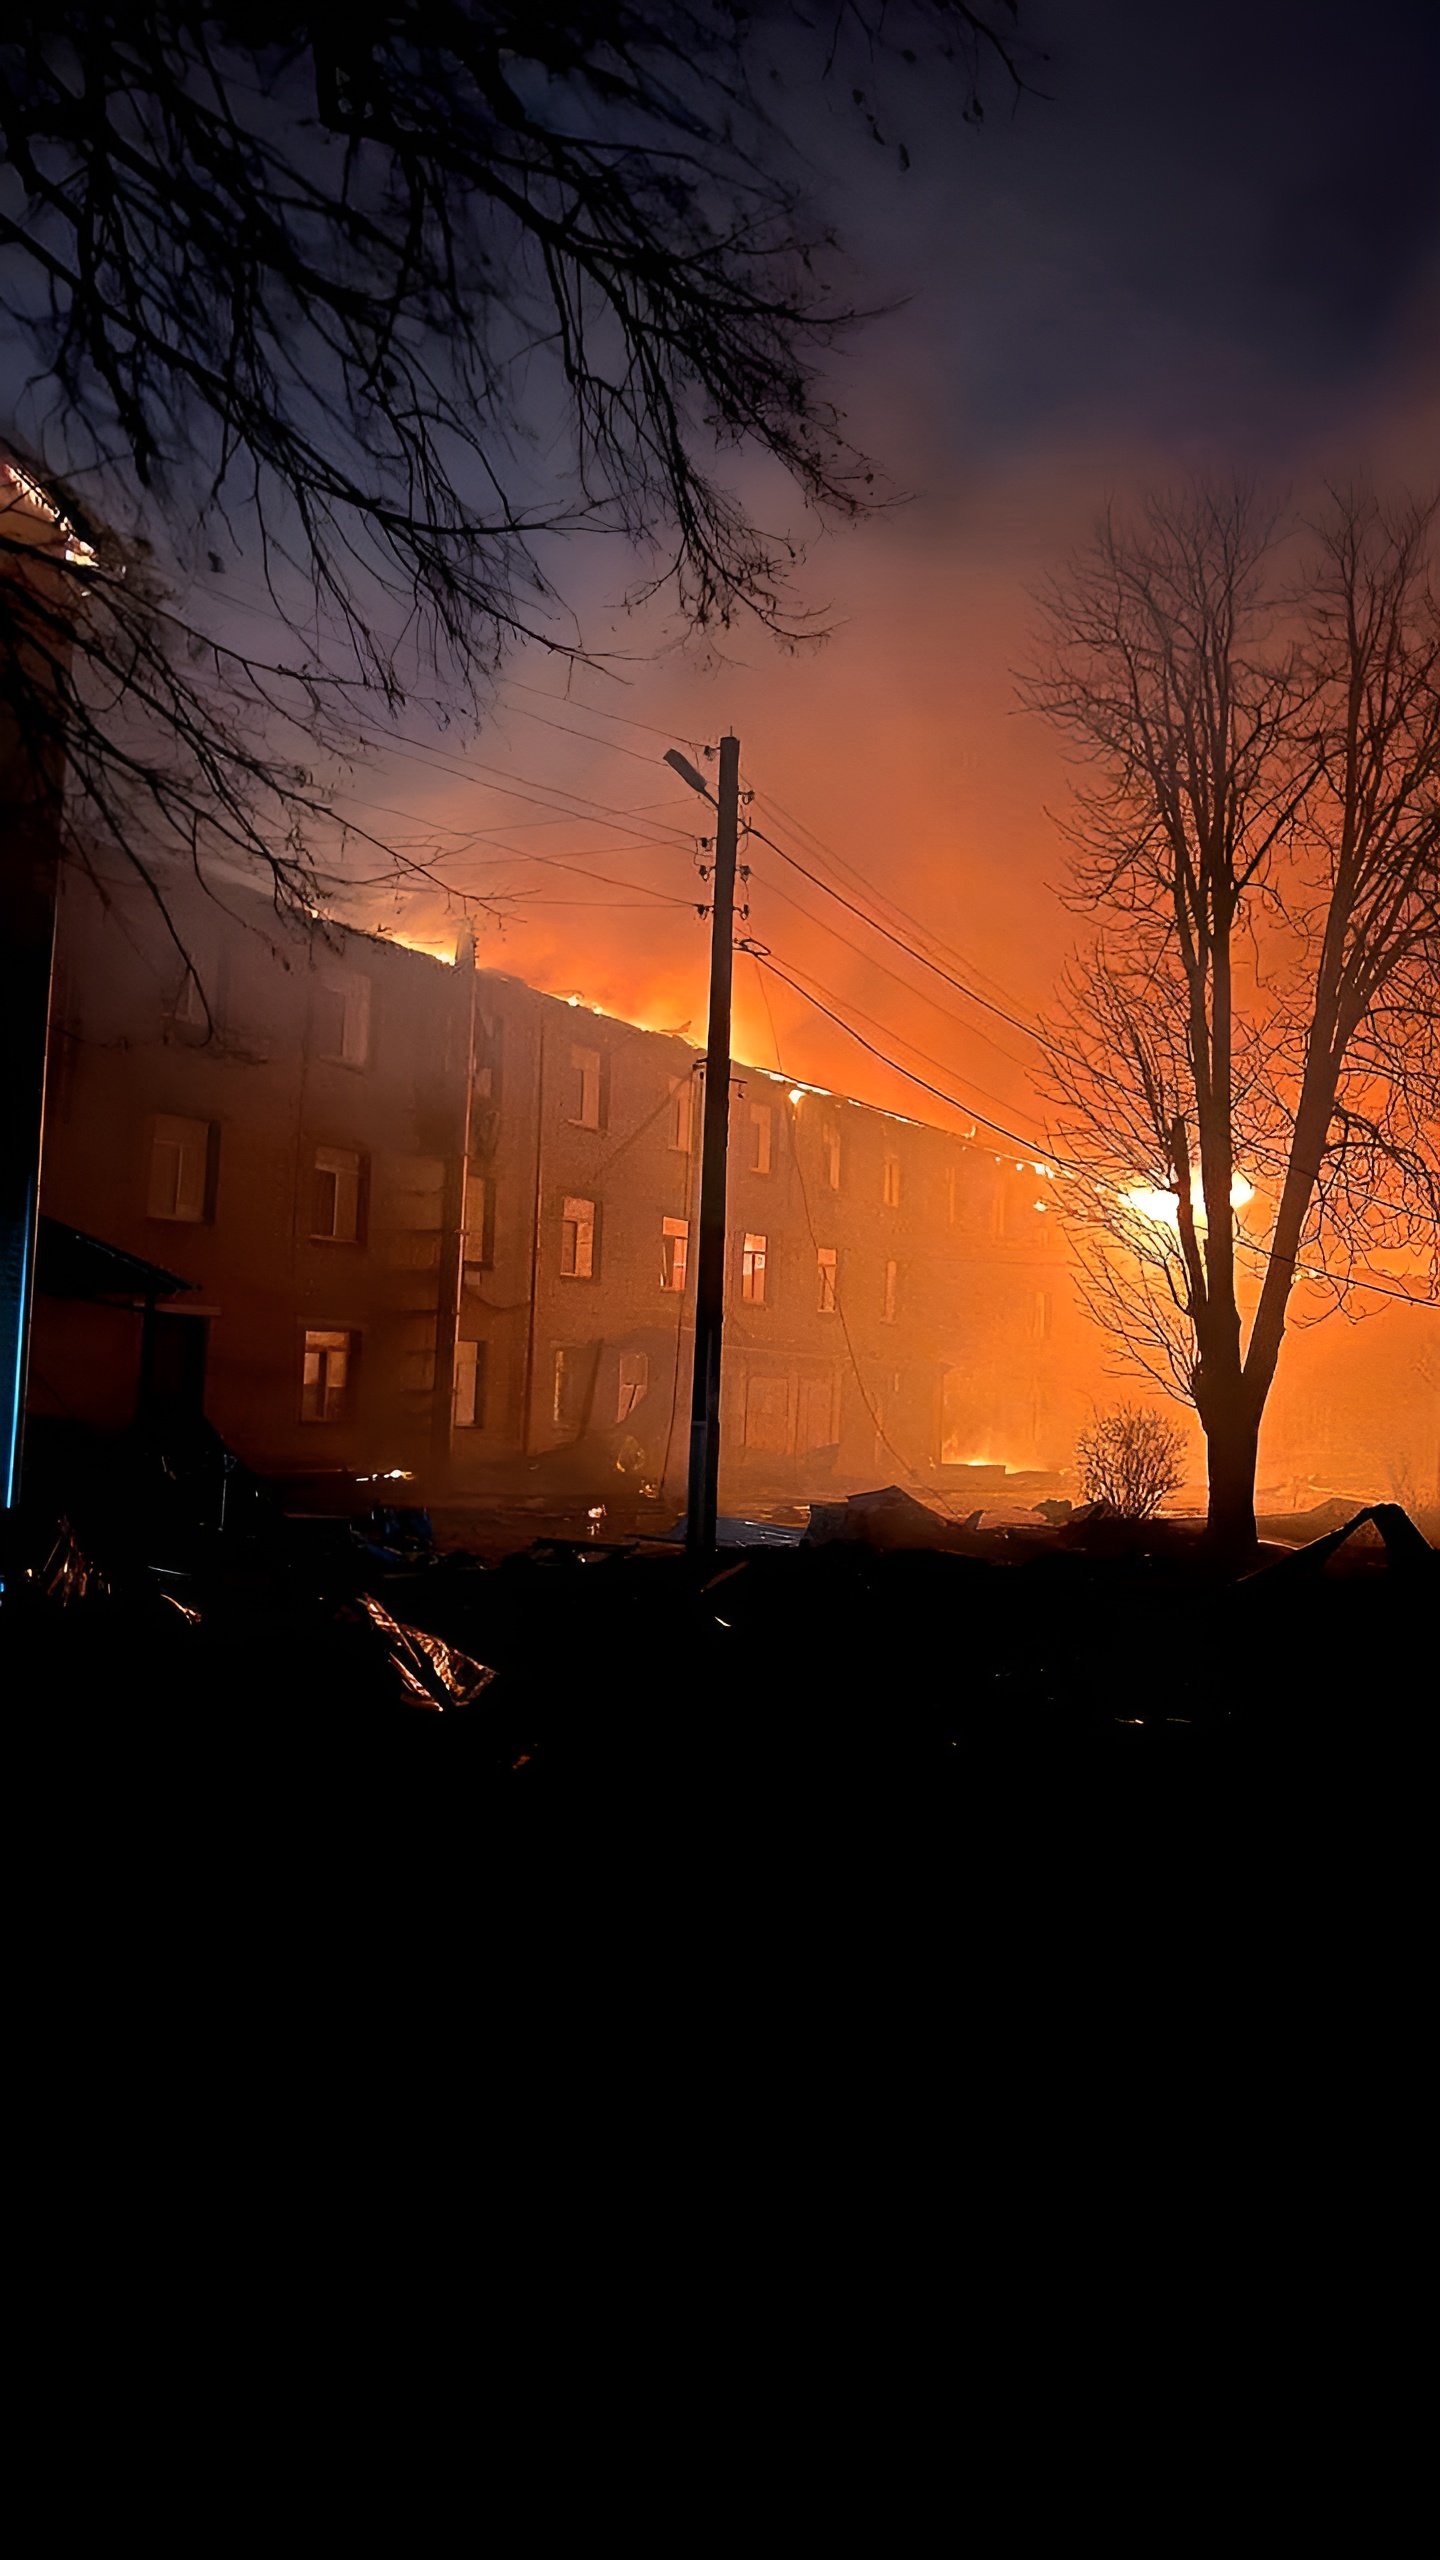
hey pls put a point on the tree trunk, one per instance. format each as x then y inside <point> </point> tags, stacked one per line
<point>1232,1439</point>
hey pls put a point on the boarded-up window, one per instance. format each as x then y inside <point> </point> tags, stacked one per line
<point>832,1158</point>
<point>767,1414</point>
<point>326,1365</point>
<point>335,1196</point>
<point>760,1132</point>
<point>817,1415</point>
<point>682,1111</point>
<point>633,1383</point>
<point>890,1182</point>
<point>892,1291</point>
<point>571,1372</point>
<point>754,1254</point>
<point>469,1392</point>
<point>340,1018</point>
<point>577,1240</point>
<point>585,1088</point>
<point>828,1263</point>
<point>179,1169</point>
<point>674,1251</point>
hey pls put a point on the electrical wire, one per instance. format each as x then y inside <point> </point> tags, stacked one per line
<point>972,993</point>
<point>1067,1164</point>
<point>891,906</point>
<point>514,684</point>
<point>773,890</point>
<point>1042,1040</point>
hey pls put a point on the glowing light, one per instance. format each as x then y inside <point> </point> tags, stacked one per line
<point>797,1092</point>
<point>1163,1207</point>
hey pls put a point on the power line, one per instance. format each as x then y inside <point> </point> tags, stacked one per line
<point>1027,1146</point>
<point>610,746</point>
<point>925,962</point>
<point>891,905</point>
<point>913,1046</point>
<point>533,795</point>
<point>1053,1048</point>
<point>592,712</point>
<point>1067,1164</point>
<point>774,890</point>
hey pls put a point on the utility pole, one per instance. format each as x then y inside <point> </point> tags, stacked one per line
<point>702,1499</point>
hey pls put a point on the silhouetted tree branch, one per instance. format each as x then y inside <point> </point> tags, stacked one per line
<point>388,297</point>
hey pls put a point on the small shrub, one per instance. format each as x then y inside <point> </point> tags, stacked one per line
<point>1130,1458</point>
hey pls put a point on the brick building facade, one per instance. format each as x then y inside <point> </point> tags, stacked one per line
<point>440,1223</point>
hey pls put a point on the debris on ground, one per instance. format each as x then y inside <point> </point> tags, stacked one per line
<point>432,1673</point>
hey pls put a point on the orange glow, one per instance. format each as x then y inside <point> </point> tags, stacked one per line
<point>1163,1207</point>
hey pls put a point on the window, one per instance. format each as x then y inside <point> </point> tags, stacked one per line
<point>340,1018</point>
<point>760,1118</point>
<point>952,1193</point>
<point>585,1088</point>
<point>567,1393</point>
<point>829,1262</point>
<point>335,1196</point>
<point>633,1385</point>
<point>998,1207</point>
<point>682,1112</point>
<point>832,1158</point>
<point>890,1183</point>
<point>180,1154</point>
<point>674,1251</point>
<point>577,1240</point>
<point>325,1376</point>
<point>468,1402</point>
<point>476,1240</point>
<point>1040,1317</point>
<point>767,1415</point>
<point>892,1290</point>
<point>817,1415</point>
<point>754,1254</point>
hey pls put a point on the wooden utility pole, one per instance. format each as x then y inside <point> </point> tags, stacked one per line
<point>702,1501</point>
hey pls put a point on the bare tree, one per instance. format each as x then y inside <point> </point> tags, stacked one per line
<point>1259,1015</point>
<point>1130,1458</point>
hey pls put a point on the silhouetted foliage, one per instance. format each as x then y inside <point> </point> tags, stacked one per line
<point>389,297</point>
<point>1130,1458</point>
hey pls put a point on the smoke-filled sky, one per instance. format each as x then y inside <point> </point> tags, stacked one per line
<point>1214,243</point>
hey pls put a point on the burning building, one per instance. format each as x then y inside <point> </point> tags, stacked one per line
<point>438,1225</point>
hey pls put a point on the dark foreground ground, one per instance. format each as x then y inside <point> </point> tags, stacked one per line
<point>258,1664</point>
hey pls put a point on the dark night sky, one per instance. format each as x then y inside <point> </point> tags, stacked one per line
<point>1215,243</point>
